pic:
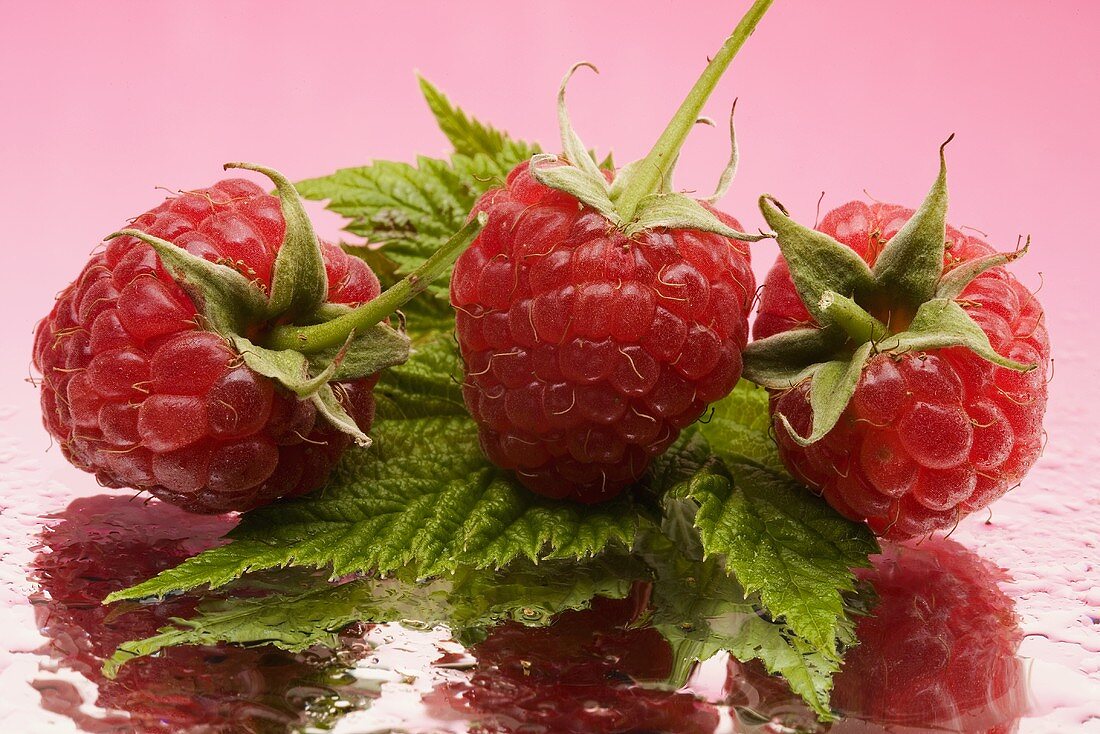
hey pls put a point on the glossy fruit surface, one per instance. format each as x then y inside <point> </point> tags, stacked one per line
<point>928,437</point>
<point>136,391</point>
<point>587,351</point>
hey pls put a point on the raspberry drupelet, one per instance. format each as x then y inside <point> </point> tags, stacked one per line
<point>137,392</point>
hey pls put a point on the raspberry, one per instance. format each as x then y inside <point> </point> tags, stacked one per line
<point>598,313</point>
<point>936,653</point>
<point>907,367</point>
<point>931,436</point>
<point>577,676</point>
<point>106,543</point>
<point>138,393</point>
<point>587,351</point>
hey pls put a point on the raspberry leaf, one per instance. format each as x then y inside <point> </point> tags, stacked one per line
<point>408,211</point>
<point>226,299</point>
<point>910,265</point>
<point>783,543</point>
<point>778,540</point>
<point>292,622</point>
<point>469,136</point>
<point>299,283</point>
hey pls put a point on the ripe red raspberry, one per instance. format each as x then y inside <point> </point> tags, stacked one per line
<point>137,391</point>
<point>936,653</point>
<point>577,676</point>
<point>586,350</point>
<point>907,366</point>
<point>598,312</point>
<point>931,436</point>
<point>102,544</point>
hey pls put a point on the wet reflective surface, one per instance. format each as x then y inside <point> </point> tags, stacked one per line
<point>939,653</point>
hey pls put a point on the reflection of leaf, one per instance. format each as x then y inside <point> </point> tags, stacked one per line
<point>305,611</point>
<point>701,610</point>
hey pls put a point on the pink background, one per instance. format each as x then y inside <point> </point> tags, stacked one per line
<point>105,102</point>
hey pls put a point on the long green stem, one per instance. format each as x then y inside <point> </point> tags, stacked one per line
<point>652,169</point>
<point>334,333</point>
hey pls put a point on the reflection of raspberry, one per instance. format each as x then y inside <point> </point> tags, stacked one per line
<point>937,653</point>
<point>576,676</point>
<point>103,544</point>
<point>586,351</point>
<point>137,394</point>
<point>928,437</point>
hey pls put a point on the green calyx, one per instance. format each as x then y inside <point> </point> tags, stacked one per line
<point>904,304</point>
<point>292,334</point>
<point>639,197</point>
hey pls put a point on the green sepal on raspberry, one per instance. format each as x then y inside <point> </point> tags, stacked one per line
<point>904,303</point>
<point>638,197</point>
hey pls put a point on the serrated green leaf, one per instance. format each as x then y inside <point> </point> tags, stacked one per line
<point>469,136</point>
<point>783,543</point>
<point>739,426</point>
<point>779,541</point>
<point>290,622</point>
<point>429,384</point>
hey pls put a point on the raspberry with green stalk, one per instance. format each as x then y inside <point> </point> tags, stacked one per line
<point>907,366</point>
<point>599,313</point>
<point>217,354</point>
